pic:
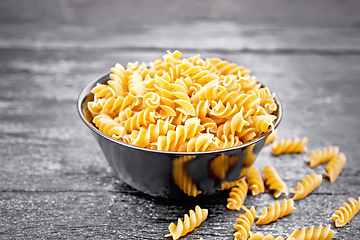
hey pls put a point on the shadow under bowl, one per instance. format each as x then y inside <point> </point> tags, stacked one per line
<point>172,174</point>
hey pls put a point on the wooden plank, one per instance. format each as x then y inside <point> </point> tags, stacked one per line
<point>214,37</point>
<point>118,14</point>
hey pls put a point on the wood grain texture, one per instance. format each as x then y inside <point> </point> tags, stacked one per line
<point>56,184</point>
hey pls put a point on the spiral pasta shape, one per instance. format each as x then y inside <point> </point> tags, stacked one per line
<point>335,166</point>
<point>181,133</point>
<point>244,223</point>
<point>233,125</point>
<point>227,142</point>
<point>274,181</point>
<point>255,181</point>
<point>197,73</point>
<point>109,127</point>
<point>312,234</point>
<point>145,135</point>
<point>322,156</point>
<point>309,184</point>
<point>220,111</point>
<point>345,213</point>
<point>263,123</point>
<point>143,118</point>
<point>261,236</point>
<point>227,68</point>
<point>182,178</point>
<point>276,212</point>
<point>191,221</point>
<point>289,146</point>
<point>237,195</point>
<point>119,76</point>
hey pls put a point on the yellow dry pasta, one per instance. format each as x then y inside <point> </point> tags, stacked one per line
<point>289,146</point>
<point>312,234</point>
<point>345,213</point>
<point>228,105</point>
<point>191,221</point>
<point>274,181</point>
<point>244,223</point>
<point>276,212</point>
<point>237,195</point>
<point>261,236</point>
<point>309,184</point>
<point>322,156</point>
<point>335,166</point>
<point>255,181</point>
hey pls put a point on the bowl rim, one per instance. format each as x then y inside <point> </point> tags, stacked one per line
<point>84,93</point>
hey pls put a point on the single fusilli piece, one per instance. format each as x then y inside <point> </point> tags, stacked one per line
<point>237,195</point>
<point>289,146</point>
<point>344,214</point>
<point>261,236</point>
<point>322,156</point>
<point>276,212</point>
<point>189,223</point>
<point>309,184</point>
<point>244,223</point>
<point>335,166</point>
<point>312,234</point>
<point>255,181</point>
<point>274,181</point>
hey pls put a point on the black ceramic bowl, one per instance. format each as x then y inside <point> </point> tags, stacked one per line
<point>172,174</point>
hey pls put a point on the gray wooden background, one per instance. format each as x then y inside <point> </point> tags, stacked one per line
<point>55,182</point>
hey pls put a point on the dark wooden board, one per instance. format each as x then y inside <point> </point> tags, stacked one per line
<point>56,184</point>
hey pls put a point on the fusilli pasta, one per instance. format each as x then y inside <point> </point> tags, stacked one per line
<point>237,195</point>
<point>335,166</point>
<point>244,223</point>
<point>346,213</point>
<point>322,156</point>
<point>289,146</point>
<point>227,105</point>
<point>261,236</point>
<point>276,212</point>
<point>255,181</point>
<point>312,233</point>
<point>309,184</point>
<point>274,181</point>
<point>189,223</point>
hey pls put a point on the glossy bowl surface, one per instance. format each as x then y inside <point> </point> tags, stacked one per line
<point>172,174</point>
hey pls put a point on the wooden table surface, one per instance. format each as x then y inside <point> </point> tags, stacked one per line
<point>54,180</point>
